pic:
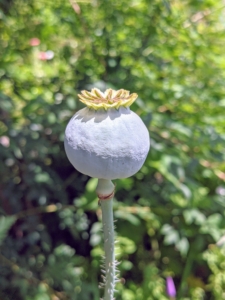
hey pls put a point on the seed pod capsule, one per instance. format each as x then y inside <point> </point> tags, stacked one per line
<point>106,139</point>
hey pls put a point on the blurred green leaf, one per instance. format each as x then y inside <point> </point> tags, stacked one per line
<point>91,185</point>
<point>194,216</point>
<point>5,224</point>
<point>125,245</point>
<point>183,246</point>
<point>125,215</point>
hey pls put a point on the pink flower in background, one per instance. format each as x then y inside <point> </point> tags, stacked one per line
<point>48,55</point>
<point>5,141</point>
<point>170,287</point>
<point>34,42</point>
<point>42,56</point>
<point>75,6</point>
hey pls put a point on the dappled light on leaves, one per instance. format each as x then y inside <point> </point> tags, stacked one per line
<point>172,213</point>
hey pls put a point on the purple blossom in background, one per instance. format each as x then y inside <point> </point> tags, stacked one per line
<point>170,287</point>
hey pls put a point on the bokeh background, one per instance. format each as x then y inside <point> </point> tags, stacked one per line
<point>170,215</point>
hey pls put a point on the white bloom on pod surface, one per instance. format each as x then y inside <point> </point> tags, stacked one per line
<point>107,140</point>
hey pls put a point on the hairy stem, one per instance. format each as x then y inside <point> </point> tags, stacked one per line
<point>105,191</point>
<point>108,229</point>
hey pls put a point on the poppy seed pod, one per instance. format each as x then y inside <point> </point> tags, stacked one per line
<point>106,139</point>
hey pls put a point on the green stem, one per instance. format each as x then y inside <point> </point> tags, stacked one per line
<point>186,273</point>
<point>105,191</point>
<point>108,229</point>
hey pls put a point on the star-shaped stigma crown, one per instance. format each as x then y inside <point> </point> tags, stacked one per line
<point>96,99</point>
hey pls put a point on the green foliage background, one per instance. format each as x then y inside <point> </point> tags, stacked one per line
<point>170,215</point>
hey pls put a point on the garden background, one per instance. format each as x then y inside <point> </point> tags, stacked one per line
<point>170,215</point>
